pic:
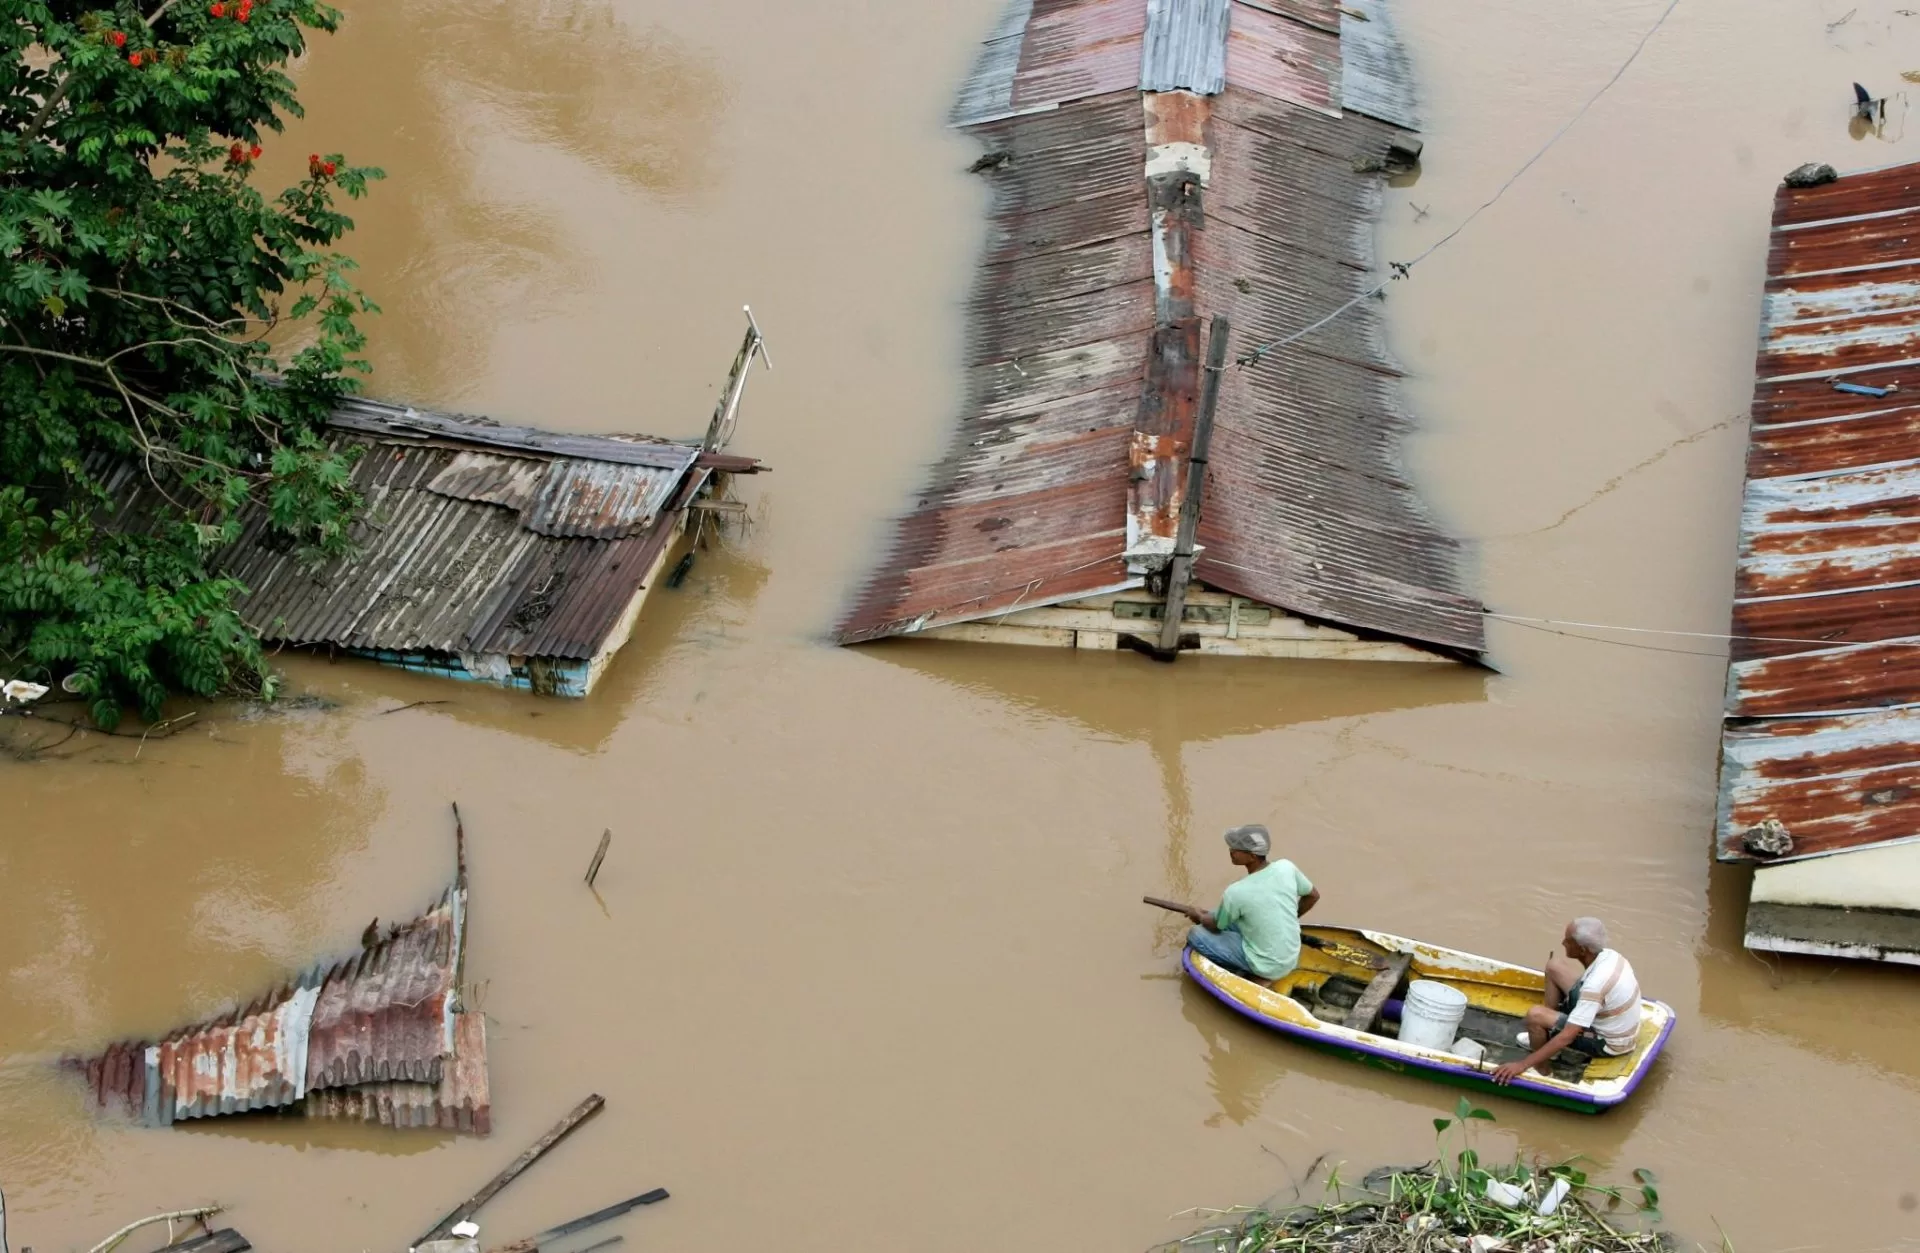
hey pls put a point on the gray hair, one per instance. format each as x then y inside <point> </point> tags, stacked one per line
<point>1589,933</point>
<point>1251,838</point>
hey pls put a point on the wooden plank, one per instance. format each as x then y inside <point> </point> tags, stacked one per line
<point>225,1240</point>
<point>1365,1014</point>
<point>467,1208</point>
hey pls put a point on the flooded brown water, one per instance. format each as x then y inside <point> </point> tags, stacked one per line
<point>870,966</point>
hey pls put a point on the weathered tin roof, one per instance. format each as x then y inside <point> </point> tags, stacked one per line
<point>1123,215</point>
<point>1186,46</point>
<point>475,539</point>
<point>1824,735</point>
<point>460,1101</point>
<point>379,1034</point>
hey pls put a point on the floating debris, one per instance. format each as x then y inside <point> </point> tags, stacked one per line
<point>378,1037</point>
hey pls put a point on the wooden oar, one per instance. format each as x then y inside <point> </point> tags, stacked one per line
<point>1332,948</point>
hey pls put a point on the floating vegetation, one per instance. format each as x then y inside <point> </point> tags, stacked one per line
<point>1454,1204</point>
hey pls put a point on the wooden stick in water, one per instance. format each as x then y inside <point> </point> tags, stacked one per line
<point>599,855</point>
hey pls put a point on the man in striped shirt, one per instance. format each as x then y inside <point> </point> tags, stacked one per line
<point>1592,1003</point>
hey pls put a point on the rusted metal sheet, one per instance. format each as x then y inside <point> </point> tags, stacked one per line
<point>588,499</point>
<point>491,478</point>
<point>1079,48</point>
<point>461,1101</point>
<point>1186,46</point>
<point>1835,783</point>
<point>1282,59</point>
<point>386,1017</point>
<point>1120,222</point>
<point>1823,686</point>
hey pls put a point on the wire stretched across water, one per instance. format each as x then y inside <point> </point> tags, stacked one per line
<point>1404,269</point>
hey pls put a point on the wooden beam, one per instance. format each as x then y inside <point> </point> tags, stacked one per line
<point>1181,574</point>
<point>561,1130</point>
<point>1365,1014</point>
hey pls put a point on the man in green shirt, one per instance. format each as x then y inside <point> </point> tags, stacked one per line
<point>1256,930</point>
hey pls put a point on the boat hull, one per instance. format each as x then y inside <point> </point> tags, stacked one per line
<point>1493,985</point>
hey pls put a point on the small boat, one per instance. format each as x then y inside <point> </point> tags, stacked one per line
<point>1342,999</point>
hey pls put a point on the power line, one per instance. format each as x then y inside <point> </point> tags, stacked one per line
<point>1403,269</point>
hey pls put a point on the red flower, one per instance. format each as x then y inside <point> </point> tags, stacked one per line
<point>254,153</point>
<point>133,58</point>
<point>327,169</point>
<point>119,38</point>
<point>236,155</point>
<point>218,10</point>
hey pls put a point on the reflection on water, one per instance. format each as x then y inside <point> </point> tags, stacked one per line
<point>1847,1012</point>
<point>263,1128</point>
<point>1170,709</point>
<point>493,120</point>
<point>678,631</point>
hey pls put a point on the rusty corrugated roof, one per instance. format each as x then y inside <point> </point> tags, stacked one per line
<point>379,1033</point>
<point>475,538</point>
<point>1823,688</point>
<point>460,1101</point>
<point>1120,221</point>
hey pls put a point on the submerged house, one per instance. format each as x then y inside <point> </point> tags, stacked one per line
<point>503,554</point>
<point>1154,164</point>
<point>379,1037</point>
<point>1820,752</point>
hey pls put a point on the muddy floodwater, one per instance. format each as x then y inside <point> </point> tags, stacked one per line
<point>870,967</point>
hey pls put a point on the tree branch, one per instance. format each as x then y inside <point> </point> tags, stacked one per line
<point>46,110</point>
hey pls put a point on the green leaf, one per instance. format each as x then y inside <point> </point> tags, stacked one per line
<point>1464,1109</point>
<point>1643,1175</point>
<point>1441,1124</point>
<point>1483,1115</point>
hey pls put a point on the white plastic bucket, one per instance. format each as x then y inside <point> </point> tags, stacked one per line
<point>1432,1016</point>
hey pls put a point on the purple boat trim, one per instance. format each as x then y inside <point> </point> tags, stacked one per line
<point>1465,1071</point>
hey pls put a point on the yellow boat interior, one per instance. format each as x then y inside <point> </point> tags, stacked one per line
<point>1340,981</point>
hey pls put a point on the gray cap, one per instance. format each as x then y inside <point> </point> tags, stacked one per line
<point>1251,838</point>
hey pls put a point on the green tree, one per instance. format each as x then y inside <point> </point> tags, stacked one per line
<point>160,316</point>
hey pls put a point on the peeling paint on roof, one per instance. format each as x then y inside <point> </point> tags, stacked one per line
<point>1134,194</point>
<point>1823,686</point>
<point>378,1035</point>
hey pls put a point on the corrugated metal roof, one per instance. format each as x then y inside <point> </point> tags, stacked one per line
<point>599,501</point>
<point>492,479</point>
<point>461,1100</point>
<point>404,422</point>
<point>1278,57</point>
<point>1079,48</point>
<point>475,538</point>
<point>1836,783</point>
<point>1186,46</point>
<point>1824,735</point>
<point>384,1017</point>
<point>1119,223</point>
<point>988,91</point>
<point>1376,77</point>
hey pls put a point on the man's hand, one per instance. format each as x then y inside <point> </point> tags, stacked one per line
<point>1205,918</point>
<point>1508,1073</point>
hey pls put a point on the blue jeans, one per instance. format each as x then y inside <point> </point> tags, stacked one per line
<point>1222,948</point>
